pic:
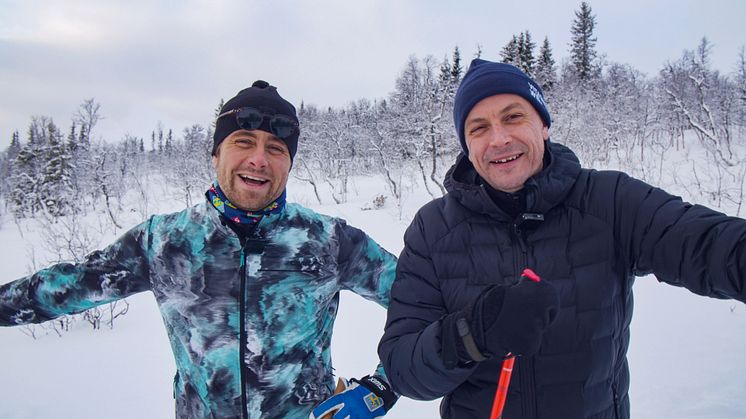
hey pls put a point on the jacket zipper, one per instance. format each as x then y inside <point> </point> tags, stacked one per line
<point>252,245</point>
<point>525,364</point>
<point>621,312</point>
<point>617,412</point>
<point>242,332</point>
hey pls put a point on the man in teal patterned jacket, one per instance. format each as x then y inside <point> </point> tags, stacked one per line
<point>247,284</point>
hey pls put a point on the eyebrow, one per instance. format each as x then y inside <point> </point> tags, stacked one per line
<point>511,107</point>
<point>502,111</point>
<point>244,133</point>
<point>251,134</point>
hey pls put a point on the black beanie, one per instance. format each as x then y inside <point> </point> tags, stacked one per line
<point>263,97</point>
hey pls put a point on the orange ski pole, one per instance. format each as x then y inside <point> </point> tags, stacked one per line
<point>501,394</point>
<point>502,388</point>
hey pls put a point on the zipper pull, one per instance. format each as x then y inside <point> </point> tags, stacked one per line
<point>254,245</point>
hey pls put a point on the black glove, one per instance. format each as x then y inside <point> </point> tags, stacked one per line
<point>513,319</point>
<point>501,320</point>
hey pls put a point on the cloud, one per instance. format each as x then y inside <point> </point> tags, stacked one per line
<point>172,61</point>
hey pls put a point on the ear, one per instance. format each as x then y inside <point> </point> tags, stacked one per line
<point>545,132</point>
<point>215,161</point>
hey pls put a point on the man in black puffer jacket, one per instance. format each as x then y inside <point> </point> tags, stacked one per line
<point>517,200</point>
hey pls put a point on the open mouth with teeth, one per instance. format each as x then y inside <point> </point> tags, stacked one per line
<point>253,181</point>
<point>507,159</point>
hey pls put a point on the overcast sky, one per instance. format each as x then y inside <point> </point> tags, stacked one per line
<point>172,61</point>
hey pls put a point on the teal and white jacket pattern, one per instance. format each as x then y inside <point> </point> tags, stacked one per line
<point>249,320</point>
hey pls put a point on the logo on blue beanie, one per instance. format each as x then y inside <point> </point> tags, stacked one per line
<point>536,94</point>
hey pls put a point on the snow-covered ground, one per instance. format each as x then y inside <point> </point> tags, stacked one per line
<point>686,354</point>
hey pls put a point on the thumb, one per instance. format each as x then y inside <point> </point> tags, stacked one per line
<point>341,386</point>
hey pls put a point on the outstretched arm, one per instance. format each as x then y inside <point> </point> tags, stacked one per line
<point>104,276</point>
<point>682,244</point>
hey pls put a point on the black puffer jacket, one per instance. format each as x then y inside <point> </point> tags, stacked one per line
<point>600,230</point>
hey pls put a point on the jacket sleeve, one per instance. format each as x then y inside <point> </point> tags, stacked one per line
<point>682,244</point>
<point>104,276</point>
<point>411,345</point>
<point>364,267</point>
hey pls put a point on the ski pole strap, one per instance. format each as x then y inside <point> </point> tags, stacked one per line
<point>471,347</point>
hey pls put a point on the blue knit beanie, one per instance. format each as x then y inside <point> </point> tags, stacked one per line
<point>485,79</point>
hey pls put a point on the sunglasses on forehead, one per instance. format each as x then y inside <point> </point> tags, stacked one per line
<point>280,126</point>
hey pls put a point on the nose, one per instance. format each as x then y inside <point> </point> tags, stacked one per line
<point>499,136</point>
<point>257,158</point>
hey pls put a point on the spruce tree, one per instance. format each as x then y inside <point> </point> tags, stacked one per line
<point>27,169</point>
<point>583,46</point>
<point>23,183</point>
<point>546,74</point>
<point>160,139</point>
<point>509,53</point>
<point>168,148</point>
<point>72,140</point>
<point>56,188</point>
<point>478,54</point>
<point>15,145</point>
<point>6,162</point>
<point>445,71</point>
<point>217,112</point>
<point>83,139</point>
<point>456,68</point>
<point>445,76</point>
<point>525,57</point>
<point>77,155</point>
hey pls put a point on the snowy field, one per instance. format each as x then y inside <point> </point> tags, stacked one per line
<point>686,354</point>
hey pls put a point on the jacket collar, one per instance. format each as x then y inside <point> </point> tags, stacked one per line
<point>545,190</point>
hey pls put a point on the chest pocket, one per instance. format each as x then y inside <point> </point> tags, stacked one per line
<point>309,258</point>
<point>309,264</point>
<point>294,279</point>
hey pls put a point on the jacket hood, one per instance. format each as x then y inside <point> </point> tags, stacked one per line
<point>545,190</point>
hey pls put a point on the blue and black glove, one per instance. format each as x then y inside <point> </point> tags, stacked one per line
<point>367,398</point>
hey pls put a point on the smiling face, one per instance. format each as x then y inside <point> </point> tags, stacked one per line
<point>252,168</point>
<point>505,137</point>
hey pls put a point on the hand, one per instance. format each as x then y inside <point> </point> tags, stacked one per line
<point>513,319</point>
<point>367,398</point>
<point>341,386</point>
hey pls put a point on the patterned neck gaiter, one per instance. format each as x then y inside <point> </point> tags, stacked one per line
<point>221,203</point>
